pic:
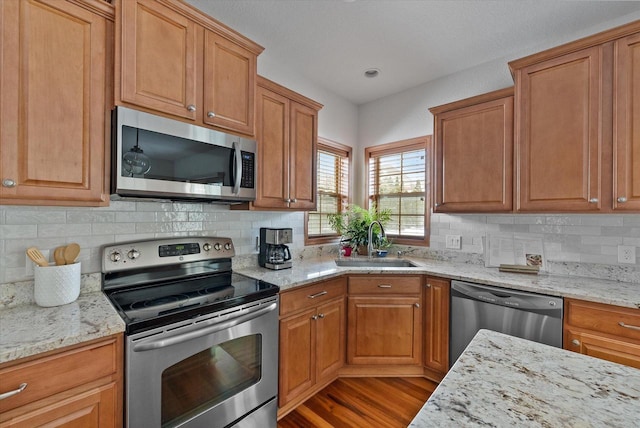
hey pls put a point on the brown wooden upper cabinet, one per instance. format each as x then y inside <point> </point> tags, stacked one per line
<point>473,154</point>
<point>574,111</point>
<point>54,113</point>
<point>287,133</point>
<point>178,61</point>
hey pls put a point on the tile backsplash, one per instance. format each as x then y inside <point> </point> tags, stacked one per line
<point>49,227</point>
<point>573,244</point>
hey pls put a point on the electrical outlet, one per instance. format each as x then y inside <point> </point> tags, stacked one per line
<point>29,264</point>
<point>454,242</point>
<point>627,254</point>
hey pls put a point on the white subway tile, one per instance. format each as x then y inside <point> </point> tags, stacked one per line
<point>153,227</point>
<point>63,230</point>
<point>172,216</point>
<point>11,231</point>
<point>185,206</point>
<point>601,259</point>
<point>500,219</point>
<point>563,220</point>
<point>601,240</point>
<point>136,217</point>
<point>112,228</point>
<point>186,226</point>
<point>154,206</point>
<point>36,217</point>
<point>602,220</point>
<point>75,217</point>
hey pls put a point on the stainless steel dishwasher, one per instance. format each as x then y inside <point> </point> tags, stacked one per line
<point>531,316</point>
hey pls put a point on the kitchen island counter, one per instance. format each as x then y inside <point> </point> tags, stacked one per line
<point>504,381</point>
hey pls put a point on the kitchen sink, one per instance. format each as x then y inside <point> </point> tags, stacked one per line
<point>377,263</point>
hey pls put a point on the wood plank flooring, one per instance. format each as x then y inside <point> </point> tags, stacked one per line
<point>362,402</point>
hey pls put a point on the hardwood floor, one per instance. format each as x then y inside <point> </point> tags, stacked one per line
<point>362,402</point>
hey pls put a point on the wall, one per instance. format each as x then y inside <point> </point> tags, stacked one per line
<point>49,227</point>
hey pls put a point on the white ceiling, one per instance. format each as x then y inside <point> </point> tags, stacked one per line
<point>332,42</point>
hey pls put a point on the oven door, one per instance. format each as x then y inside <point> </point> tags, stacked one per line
<point>212,371</point>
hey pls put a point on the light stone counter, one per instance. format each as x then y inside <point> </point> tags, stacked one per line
<point>311,270</point>
<point>29,329</point>
<point>503,381</point>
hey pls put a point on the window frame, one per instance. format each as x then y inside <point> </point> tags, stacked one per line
<point>343,151</point>
<point>397,147</point>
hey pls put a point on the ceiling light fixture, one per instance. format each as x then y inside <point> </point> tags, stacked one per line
<point>371,73</point>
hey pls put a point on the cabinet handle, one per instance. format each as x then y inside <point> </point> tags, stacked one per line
<point>315,317</point>
<point>9,182</point>
<point>211,114</point>
<point>287,200</point>
<point>384,286</point>
<point>622,199</point>
<point>575,342</point>
<point>417,305</point>
<point>191,107</point>
<point>320,315</point>
<point>428,285</point>
<point>294,200</point>
<point>14,392</point>
<point>632,327</point>
<point>313,296</point>
<point>593,200</point>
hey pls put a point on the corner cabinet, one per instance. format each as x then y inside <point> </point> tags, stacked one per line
<point>312,339</point>
<point>80,386</point>
<point>287,133</point>
<point>175,60</point>
<point>473,154</point>
<point>603,331</point>
<point>384,318</point>
<point>436,328</point>
<point>576,133</point>
<point>55,102</point>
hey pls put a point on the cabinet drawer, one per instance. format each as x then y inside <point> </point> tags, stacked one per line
<point>385,284</point>
<point>311,295</point>
<point>59,372</point>
<point>609,319</point>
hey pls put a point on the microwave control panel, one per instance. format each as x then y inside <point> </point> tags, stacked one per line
<point>248,170</point>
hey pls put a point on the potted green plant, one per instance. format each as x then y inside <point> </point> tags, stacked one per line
<point>353,225</point>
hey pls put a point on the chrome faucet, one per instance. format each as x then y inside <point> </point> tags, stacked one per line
<point>370,236</point>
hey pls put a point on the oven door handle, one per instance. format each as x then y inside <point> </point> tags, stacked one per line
<point>170,341</point>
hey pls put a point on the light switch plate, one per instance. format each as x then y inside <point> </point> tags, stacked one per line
<point>454,242</point>
<point>627,254</point>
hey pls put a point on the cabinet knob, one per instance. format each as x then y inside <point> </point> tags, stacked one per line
<point>320,315</point>
<point>428,285</point>
<point>575,342</point>
<point>9,182</point>
<point>622,199</point>
<point>293,201</point>
<point>417,305</point>
<point>315,317</point>
<point>287,200</point>
<point>439,204</point>
<point>593,200</point>
<point>211,114</point>
<point>191,107</point>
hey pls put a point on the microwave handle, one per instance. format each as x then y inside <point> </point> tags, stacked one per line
<point>237,168</point>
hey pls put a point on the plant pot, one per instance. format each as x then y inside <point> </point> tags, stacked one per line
<point>363,250</point>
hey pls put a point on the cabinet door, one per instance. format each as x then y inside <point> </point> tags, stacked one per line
<point>229,85</point>
<point>330,338</point>
<point>626,110</point>
<point>297,355</point>
<point>437,325</point>
<point>158,69</point>
<point>558,131</point>
<point>384,330</point>
<point>302,164</point>
<point>95,408</point>
<point>603,347</point>
<point>273,149</point>
<point>53,105</point>
<point>474,158</point>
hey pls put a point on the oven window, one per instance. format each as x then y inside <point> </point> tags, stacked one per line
<point>209,377</point>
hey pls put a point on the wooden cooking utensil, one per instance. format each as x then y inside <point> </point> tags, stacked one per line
<point>34,254</point>
<point>71,252</point>
<point>58,256</point>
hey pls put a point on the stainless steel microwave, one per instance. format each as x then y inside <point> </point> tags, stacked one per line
<point>160,158</point>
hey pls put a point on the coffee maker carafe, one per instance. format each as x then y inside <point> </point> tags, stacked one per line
<point>274,253</point>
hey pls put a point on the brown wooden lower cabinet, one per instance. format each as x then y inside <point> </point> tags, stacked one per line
<point>79,386</point>
<point>603,331</point>
<point>312,339</point>
<point>436,328</point>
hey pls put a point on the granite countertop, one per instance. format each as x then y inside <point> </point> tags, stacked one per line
<point>504,381</point>
<point>311,270</point>
<point>29,329</point>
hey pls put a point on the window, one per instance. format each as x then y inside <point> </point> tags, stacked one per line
<point>333,162</point>
<point>398,180</point>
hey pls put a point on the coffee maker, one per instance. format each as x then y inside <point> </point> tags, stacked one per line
<point>274,254</point>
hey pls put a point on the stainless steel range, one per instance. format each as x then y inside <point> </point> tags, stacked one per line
<point>201,344</point>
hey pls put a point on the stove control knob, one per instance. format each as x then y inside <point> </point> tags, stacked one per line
<point>206,247</point>
<point>133,254</point>
<point>115,256</point>
<point>217,246</point>
<point>227,246</point>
